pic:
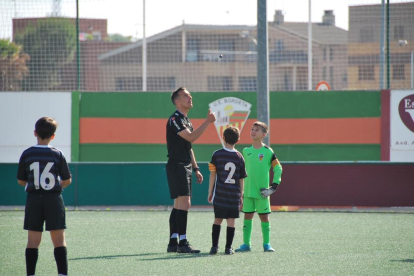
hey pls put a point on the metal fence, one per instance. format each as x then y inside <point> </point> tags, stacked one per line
<point>158,45</point>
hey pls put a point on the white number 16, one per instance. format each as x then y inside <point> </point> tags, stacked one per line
<point>46,174</point>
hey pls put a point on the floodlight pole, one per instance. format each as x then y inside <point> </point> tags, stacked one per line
<point>310,47</point>
<point>388,44</point>
<point>144,52</point>
<point>77,48</point>
<point>382,46</point>
<point>412,69</point>
<point>262,67</point>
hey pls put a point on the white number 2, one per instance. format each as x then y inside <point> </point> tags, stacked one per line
<point>46,174</point>
<point>232,168</point>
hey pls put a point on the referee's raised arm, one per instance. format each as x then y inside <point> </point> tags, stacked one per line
<point>193,136</point>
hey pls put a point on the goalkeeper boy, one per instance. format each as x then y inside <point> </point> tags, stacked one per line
<point>259,158</point>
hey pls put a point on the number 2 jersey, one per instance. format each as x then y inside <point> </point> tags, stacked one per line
<point>230,168</point>
<point>43,167</point>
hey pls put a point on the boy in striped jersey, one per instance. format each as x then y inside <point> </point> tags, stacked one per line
<point>227,173</point>
<point>259,160</point>
<point>44,172</point>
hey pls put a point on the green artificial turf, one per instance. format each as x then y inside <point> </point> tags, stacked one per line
<point>135,242</point>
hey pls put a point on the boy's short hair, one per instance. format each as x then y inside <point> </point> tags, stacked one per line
<point>175,95</point>
<point>231,135</point>
<point>262,125</point>
<point>45,127</point>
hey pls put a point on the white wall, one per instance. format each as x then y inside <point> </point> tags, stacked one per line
<point>401,137</point>
<point>19,112</point>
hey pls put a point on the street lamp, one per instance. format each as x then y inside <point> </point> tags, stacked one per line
<point>246,34</point>
<point>402,43</point>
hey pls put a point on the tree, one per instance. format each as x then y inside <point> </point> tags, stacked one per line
<point>12,65</point>
<point>51,44</point>
<point>119,38</point>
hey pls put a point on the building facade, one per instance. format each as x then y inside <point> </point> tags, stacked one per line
<point>364,47</point>
<point>189,55</point>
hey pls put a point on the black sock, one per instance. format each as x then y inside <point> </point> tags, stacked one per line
<point>230,236</point>
<point>173,227</point>
<point>216,234</point>
<point>61,260</point>
<point>31,260</point>
<point>182,224</point>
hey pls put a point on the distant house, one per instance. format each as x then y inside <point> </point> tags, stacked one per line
<point>95,28</point>
<point>364,45</point>
<point>188,55</point>
<point>93,36</point>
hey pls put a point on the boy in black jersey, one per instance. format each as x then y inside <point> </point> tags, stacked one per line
<point>43,172</point>
<point>227,173</point>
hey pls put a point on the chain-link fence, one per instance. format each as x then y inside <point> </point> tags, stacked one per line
<point>99,45</point>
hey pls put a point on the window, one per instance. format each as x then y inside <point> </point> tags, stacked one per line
<point>302,78</point>
<point>366,72</point>
<point>398,72</point>
<point>324,73</point>
<point>280,45</point>
<point>129,84</point>
<point>398,32</point>
<point>160,83</point>
<point>331,53</point>
<point>220,83</point>
<point>193,50</point>
<point>331,76</point>
<point>366,34</point>
<point>247,84</point>
<point>227,46</point>
<point>252,46</point>
<point>96,36</point>
<point>324,54</point>
<point>132,84</point>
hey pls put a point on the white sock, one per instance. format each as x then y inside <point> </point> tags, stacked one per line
<point>183,237</point>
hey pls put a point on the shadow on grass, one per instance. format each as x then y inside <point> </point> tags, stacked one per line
<point>162,256</point>
<point>404,261</point>
<point>177,256</point>
<point>112,256</point>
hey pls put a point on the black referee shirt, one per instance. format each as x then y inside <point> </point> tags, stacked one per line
<point>178,148</point>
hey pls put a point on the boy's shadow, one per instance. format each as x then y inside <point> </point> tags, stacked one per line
<point>404,261</point>
<point>171,256</point>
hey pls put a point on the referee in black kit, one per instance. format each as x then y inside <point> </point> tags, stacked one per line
<point>181,163</point>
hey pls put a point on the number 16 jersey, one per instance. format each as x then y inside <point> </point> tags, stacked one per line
<point>43,167</point>
<point>229,167</point>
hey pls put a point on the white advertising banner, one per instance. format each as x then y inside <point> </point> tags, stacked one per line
<point>402,125</point>
<point>19,112</point>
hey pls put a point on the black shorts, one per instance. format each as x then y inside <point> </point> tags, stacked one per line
<point>41,207</point>
<point>225,213</point>
<point>179,177</point>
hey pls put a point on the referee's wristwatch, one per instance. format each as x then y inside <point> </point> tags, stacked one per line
<point>196,169</point>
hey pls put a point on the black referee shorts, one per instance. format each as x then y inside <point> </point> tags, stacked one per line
<point>179,176</point>
<point>41,207</point>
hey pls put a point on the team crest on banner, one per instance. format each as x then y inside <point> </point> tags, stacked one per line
<point>230,111</point>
